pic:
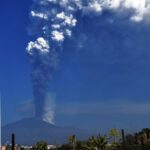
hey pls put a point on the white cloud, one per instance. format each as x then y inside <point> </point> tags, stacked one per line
<point>67,19</point>
<point>40,45</point>
<point>57,36</point>
<point>93,7</point>
<point>138,4</point>
<point>141,8</point>
<point>113,4</point>
<point>64,3</point>
<point>62,22</point>
<point>56,26</point>
<point>52,0</point>
<point>39,15</point>
<point>68,32</point>
<point>60,15</point>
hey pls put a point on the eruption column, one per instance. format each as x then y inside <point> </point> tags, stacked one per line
<point>51,22</point>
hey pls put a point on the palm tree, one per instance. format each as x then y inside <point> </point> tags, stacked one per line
<point>114,134</point>
<point>96,143</point>
<point>72,140</point>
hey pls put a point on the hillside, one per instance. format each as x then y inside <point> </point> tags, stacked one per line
<point>31,130</point>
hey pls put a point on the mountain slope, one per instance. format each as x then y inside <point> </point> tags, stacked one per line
<point>31,130</point>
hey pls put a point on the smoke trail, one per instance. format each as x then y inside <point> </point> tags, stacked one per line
<point>48,114</point>
<point>52,21</point>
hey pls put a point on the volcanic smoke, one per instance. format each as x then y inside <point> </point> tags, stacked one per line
<point>51,22</point>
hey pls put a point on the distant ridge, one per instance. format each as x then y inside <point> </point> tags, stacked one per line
<point>30,130</point>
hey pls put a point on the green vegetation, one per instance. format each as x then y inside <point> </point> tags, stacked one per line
<point>40,145</point>
<point>72,140</point>
<point>114,140</point>
<point>95,143</point>
<point>115,135</point>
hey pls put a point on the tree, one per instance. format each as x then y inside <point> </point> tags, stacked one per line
<point>114,134</point>
<point>147,131</point>
<point>64,147</point>
<point>96,143</point>
<point>41,145</point>
<point>72,140</point>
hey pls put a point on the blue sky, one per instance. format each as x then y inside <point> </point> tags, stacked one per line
<point>103,78</point>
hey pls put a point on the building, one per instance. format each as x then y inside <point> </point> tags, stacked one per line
<point>9,147</point>
<point>26,147</point>
<point>51,146</point>
<point>3,147</point>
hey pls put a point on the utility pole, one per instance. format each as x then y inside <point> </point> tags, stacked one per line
<point>123,138</point>
<point>13,141</point>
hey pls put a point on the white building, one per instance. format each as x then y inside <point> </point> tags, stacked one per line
<point>51,146</point>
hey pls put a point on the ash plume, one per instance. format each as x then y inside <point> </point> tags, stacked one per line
<point>52,22</point>
<point>48,114</point>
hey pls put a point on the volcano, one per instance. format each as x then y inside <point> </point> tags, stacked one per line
<point>30,130</point>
